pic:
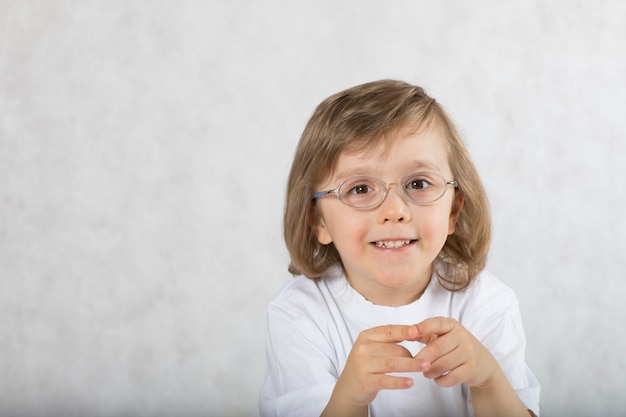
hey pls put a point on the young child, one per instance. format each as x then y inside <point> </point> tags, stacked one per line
<point>387,220</point>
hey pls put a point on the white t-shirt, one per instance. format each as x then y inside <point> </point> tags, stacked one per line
<point>312,325</point>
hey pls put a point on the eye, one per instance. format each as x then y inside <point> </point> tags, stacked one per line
<point>418,183</point>
<point>360,189</point>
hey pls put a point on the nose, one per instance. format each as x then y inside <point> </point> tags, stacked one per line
<point>394,208</point>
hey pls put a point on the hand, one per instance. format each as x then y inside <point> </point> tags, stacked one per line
<point>374,354</point>
<point>454,354</point>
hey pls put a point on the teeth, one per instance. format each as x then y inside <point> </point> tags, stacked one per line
<point>392,244</point>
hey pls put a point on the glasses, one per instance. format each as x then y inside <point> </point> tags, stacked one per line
<point>366,192</point>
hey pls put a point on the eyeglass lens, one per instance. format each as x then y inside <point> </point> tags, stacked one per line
<point>419,188</point>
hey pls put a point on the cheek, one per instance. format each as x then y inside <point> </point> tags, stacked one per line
<point>347,232</point>
<point>351,230</point>
<point>438,226</point>
<point>338,225</point>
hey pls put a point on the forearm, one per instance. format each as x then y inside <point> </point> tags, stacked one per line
<point>338,407</point>
<point>333,410</point>
<point>497,398</point>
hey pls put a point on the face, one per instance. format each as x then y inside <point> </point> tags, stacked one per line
<point>388,251</point>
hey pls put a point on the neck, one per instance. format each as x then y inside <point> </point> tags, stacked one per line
<point>391,296</point>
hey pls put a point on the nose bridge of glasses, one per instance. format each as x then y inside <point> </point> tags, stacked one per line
<point>398,186</point>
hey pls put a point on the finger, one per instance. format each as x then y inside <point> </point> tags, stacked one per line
<point>437,350</point>
<point>380,349</point>
<point>364,350</point>
<point>431,328</point>
<point>463,374</point>
<point>395,364</point>
<point>442,367</point>
<point>392,333</point>
<point>382,381</point>
<point>451,378</point>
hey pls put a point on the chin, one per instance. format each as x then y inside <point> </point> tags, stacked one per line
<point>399,279</point>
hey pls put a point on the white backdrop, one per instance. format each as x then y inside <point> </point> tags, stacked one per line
<point>144,147</point>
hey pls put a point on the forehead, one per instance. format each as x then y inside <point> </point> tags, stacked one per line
<point>399,154</point>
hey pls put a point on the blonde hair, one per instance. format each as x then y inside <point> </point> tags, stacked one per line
<point>361,118</point>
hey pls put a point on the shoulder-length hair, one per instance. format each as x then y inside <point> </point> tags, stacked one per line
<point>362,117</point>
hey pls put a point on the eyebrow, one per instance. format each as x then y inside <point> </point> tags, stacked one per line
<point>411,167</point>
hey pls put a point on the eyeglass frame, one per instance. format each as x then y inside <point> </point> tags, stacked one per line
<point>387,187</point>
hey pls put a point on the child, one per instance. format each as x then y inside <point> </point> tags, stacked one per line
<point>388,221</point>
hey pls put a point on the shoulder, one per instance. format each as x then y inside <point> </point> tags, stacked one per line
<point>487,286</point>
<point>296,286</point>
<point>489,309</point>
<point>486,296</point>
<point>304,317</point>
<point>306,296</point>
<point>486,281</point>
<point>298,289</point>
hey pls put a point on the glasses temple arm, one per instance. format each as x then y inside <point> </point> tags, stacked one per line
<point>321,194</point>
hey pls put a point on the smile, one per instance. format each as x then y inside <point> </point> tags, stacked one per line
<point>392,244</point>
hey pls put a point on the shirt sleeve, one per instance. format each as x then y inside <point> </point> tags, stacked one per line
<point>301,373</point>
<point>498,325</point>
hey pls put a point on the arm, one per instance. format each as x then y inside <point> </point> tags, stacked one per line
<point>455,356</point>
<point>303,378</point>
<point>374,354</point>
<point>301,371</point>
<point>497,398</point>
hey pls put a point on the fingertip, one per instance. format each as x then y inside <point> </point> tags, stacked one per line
<point>422,365</point>
<point>412,333</point>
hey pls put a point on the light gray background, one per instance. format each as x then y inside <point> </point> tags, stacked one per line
<point>144,147</point>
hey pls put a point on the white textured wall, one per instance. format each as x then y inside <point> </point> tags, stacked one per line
<point>144,147</point>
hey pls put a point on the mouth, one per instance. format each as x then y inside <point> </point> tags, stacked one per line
<point>392,244</point>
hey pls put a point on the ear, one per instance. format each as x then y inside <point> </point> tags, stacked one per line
<point>323,235</point>
<point>457,205</point>
<point>318,225</point>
